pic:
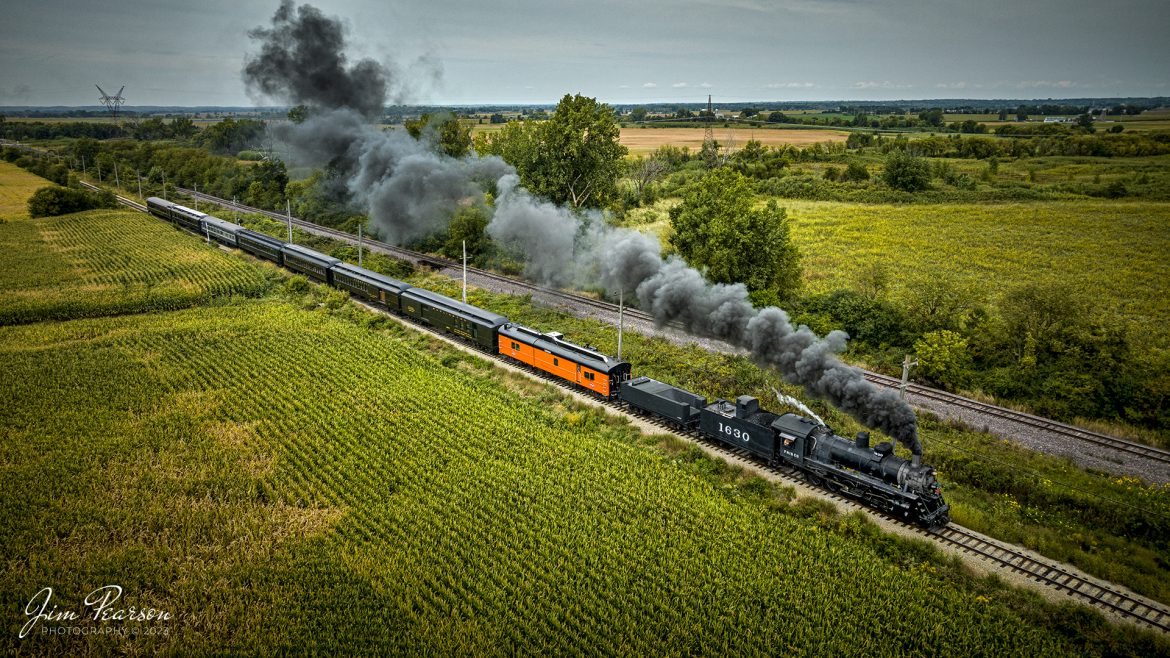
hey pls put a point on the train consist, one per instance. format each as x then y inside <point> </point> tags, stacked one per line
<point>872,475</point>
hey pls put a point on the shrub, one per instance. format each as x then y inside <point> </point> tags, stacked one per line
<point>943,358</point>
<point>53,201</point>
<point>906,172</point>
<point>855,172</point>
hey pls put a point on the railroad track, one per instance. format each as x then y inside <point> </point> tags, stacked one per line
<point>573,300</point>
<point>1119,603</point>
<point>121,199</point>
<point>1081,434</point>
<point>1004,556</point>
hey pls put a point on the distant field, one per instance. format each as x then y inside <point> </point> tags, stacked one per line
<point>642,141</point>
<point>1114,251</point>
<point>107,262</point>
<point>16,186</point>
<point>199,121</point>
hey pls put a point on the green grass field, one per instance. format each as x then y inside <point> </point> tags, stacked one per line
<point>16,186</point>
<point>1114,251</point>
<point>293,474</point>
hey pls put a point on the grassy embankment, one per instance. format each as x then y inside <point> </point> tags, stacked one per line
<point>292,473</point>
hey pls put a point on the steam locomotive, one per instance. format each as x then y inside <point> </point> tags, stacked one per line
<point>875,476</point>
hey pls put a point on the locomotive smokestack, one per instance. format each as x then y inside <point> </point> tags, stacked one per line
<point>863,440</point>
<point>915,449</point>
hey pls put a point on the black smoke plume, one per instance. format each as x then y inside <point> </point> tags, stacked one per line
<point>302,61</point>
<point>410,190</point>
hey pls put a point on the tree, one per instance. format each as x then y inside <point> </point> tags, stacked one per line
<point>906,172</point>
<point>718,228</point>
<point>873,279</point>
<point>230,136</point>
<point>445,130</point>
<point>638,114</point>
<point>573,158</point>
<point>644,171</point>
<point>943,358</point>
<point>1085,122</point>
<point>183,127</point>
<point>468,224</point>
<point>856,172</point>
<point>775,116</point>
<point>53,201</point>
<point>932,117</point>
<point>941,301</point>
<point>298,114</point>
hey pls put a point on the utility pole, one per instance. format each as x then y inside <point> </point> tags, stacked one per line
<point>139,176</point>
<point>288,211</point>
<point>465,271</point>
<point>236,210</point>
<point>906,365</point>
<point>196,196</point>
<point>621,320</point>
<point>117,181</point>
<point>83,166</point>
<point>359,244</point>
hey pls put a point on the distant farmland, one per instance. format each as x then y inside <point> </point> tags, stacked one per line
<point>642,141</point>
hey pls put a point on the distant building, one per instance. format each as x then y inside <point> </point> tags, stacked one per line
<point>1057,120</point>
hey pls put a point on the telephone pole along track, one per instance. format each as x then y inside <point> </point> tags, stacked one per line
<point>1147,462</point>
<point>1038,571</point>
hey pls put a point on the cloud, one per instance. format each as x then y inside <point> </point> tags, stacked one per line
<point>1048,84</point>
<point>962,84</point>
<point>649,85</point>
<point>884,84</point>
<point>789,85</point>
<point>706,85</point>
<point>679,85</point>
<point>623,86</point>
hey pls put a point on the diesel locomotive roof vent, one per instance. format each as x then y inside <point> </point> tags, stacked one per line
<point>746,405</point>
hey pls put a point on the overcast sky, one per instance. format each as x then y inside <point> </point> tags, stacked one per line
<point>190,52</point>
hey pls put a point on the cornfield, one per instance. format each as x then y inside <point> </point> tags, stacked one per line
<point>347,490</point>
<point>111,262</point>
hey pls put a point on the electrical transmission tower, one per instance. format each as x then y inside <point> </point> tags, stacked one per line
<point>710,150</point>
<point>112,103</point>
<point>709,132</point>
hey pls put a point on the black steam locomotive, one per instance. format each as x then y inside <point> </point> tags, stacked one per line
<point>874,476</point>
